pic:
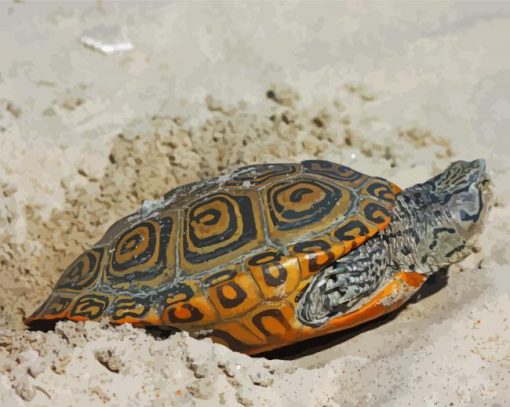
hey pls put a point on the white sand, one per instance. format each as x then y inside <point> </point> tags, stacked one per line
<point>397,90</point>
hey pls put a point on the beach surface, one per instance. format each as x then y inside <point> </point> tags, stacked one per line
<point>103,106</point>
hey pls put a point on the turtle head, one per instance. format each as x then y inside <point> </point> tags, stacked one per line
<point>463,189</point>
<point>462,195</point>
<point>459,176</point>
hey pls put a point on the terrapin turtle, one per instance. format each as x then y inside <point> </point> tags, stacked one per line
<point>274,254</point>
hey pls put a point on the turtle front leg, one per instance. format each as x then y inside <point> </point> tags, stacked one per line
<point>354,277</point>
<point>341,287</point>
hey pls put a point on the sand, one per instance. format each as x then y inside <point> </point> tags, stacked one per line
<point>391,89</point>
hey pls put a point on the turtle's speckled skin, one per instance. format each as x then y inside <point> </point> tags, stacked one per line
<point>232,257</point>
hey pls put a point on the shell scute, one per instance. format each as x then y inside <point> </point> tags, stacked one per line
<point>132,309</point>
<point>235,296</point>
<point>353,227</point>
<point>303,205</point>
<point>185,306</point>
<point>83,272</point>
<point>274,322</point>
<point>374,212</point>
<point>217,229</point>
<point>143,256</point>
<point>90,306</point>
<point>380,189</point>
<point>277,275</point>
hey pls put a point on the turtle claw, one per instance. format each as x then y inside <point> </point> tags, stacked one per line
<point>340,283</point>
<point>349,294</point>
<point>345,288</point>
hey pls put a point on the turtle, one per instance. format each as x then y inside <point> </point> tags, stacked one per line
<point>272,254</point>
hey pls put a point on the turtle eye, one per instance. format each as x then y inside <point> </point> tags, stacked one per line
<point>468,208</point>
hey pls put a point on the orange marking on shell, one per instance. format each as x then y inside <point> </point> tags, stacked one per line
<point>229,292</point>
<point>267,275</point>
<point>230,306</point>
<point>348,245</point>
<point>274,326</point>
<point>395,188</point>
<point>130,245</point>
<point>205,307</point>
<point>276,322</point>
<point>358,238</point>
<point>75,309</point>
<point>385,224</point>
<point>273,272</point>
<point>284,328</point>
<point>375,212</point>
<point>185,308</point>
<point>123,304</point>
<point>182,313</point>
<point>380,189</point>
<point>270,325</point>
<point>83,271</point>
<point>46,317</point>
<point>212,279</point>
<point>78,318</point>
<point>358,241</point>
<point>338,250</point>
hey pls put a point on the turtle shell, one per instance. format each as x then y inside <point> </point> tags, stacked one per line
<point>226,257</point>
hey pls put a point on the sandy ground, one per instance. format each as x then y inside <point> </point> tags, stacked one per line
<point>397,90</point>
